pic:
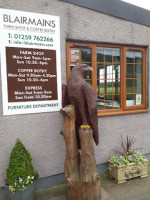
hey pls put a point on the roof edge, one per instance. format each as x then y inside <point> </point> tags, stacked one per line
<point>116,8</point>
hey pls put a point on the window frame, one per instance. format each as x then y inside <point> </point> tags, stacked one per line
<point>123,48</point>
<point>143,50</point>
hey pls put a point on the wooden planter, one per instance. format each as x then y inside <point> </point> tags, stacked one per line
<point>26,194</point>
<point>121,174</point>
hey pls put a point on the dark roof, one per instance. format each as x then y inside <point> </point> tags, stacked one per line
<point>116,8</point>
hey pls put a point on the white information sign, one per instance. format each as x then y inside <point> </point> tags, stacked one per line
<point>30,62</point>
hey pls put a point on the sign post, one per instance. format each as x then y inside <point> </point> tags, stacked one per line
<point>30,62</point>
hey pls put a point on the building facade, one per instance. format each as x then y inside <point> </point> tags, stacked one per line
<point>116,44</point>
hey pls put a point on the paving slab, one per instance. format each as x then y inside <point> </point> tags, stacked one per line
<point>134,189</point>
<point>59,193</point>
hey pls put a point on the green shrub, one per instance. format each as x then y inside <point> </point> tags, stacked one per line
<point>20,168</point>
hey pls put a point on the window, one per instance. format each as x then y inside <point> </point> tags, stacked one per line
<point>108,78</point>
<point>118,76</point>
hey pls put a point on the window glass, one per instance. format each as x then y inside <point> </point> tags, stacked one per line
<point>100,102</point>
<point>116,55</point>
<point>100,54</point>
<point>129,57</point>
<point>138,71</point>
<point>86,55</point>
<point>108,54</point>
<point>130,86</point>
<point>108,78</point>
<point>130,100</point>
<point>134,78</point>
<point>138,86</point>
<point>108,86</point>
<point>116,71</point>
<point>108,102</point>
<point>138,57</point>
<point>116,102</point>
<point>100,71</point>
<point>100,87</point>
<point>116,86</point>
<point>130,71</point>
<point>81,55</point>
<point>74,56</point>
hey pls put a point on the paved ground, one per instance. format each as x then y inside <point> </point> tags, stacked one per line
<point>137,189</point>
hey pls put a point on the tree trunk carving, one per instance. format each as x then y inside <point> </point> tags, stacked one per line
<point>81,177</point>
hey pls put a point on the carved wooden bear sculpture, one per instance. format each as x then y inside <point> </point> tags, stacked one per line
<point>81,94</point>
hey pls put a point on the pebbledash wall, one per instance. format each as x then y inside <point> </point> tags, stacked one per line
<point>40,132</point>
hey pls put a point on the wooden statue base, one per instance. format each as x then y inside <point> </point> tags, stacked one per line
<point>82,179</point>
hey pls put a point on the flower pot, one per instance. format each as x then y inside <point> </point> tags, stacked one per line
<point>26,194</point>
<point>121,173</point>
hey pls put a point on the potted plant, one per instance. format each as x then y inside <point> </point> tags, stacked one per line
<point>129,164</point>
<point>21,176</point>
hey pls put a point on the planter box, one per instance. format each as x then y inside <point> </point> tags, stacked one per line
<point>26,194</point>
<point>121,174</point>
